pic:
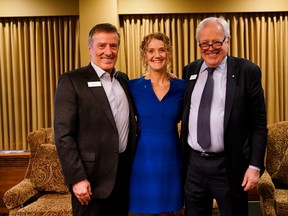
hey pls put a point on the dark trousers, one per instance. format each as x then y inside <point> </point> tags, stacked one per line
<point>116,204</point>
<point>207,179</point>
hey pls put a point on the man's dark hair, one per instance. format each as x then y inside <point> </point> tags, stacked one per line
<point>103,27</point>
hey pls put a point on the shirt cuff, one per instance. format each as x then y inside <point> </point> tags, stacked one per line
<point>254,167</point>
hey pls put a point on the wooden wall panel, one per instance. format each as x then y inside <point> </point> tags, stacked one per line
<point>13,166</point>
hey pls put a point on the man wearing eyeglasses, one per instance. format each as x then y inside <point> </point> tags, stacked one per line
<point>223,126</point>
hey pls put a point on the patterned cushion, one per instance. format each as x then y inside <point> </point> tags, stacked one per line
<point>281,174</point>
<point>281,198</point>
<point>19,194</point>
<point>47,205</point>
<point>46,172</point>
<point>277,143</point>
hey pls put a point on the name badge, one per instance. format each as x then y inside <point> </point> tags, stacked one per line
<point>193,77</point>
<point>94,84</point>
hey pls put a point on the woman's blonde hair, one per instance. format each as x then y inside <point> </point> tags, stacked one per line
<point>167,44</point>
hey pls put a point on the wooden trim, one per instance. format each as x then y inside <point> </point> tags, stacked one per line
<point>13,165</point>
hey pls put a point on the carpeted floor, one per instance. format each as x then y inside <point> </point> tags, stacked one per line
<point>254,210</point>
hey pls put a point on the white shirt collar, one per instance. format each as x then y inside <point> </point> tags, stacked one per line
<point>220,67</point>
<point>100,71</point>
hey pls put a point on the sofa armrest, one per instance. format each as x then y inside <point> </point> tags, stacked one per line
<point>265,186</point>
<point>20,194</point>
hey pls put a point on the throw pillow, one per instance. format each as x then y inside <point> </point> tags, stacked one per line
<point>281,174</point>
<point>46,172</point>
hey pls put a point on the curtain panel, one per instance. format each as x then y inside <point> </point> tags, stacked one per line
<point>34,52</point>
<point>259,37</point>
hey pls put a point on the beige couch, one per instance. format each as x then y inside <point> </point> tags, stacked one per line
<point>42,191</point>
<point>273,184</point>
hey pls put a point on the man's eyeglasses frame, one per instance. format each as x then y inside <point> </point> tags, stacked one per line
<point>215,45</point>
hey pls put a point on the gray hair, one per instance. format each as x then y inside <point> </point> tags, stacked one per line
<point>208,20</point>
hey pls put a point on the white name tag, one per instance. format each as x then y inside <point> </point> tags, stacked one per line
<point>193,77</point>
<point>94,84</point>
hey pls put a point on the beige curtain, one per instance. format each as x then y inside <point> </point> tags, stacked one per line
<point>34,52</point>
<point>259,37</point>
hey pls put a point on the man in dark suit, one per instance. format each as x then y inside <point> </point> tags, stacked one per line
<point>95,129</point>
<point>224,140</point>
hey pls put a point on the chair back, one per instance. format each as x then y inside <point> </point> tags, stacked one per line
<point>277,144</point>
<point>35,139</point>
<point>44,168</point>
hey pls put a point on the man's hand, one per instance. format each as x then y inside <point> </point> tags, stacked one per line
<point>251,178</point>
<point>82,191</point>
<point>173,76</point>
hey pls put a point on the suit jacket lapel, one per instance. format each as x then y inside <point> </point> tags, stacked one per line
<point>193,70</point>
<point>123,83</point>
<point>232,77</point>
<point>99,93</point>
<point>123,79</point>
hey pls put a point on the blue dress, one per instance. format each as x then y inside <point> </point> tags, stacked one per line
<point>156,181</point>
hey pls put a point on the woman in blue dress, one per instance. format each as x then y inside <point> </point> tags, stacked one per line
<point>156,180</point>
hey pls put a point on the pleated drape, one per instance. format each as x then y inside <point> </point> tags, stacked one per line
<point>34,52</point>
<point>259,37</point>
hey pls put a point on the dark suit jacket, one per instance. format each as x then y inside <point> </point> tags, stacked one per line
<point>86,136</point>
<point>245,131</point>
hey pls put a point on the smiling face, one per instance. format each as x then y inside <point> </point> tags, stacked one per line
<point>104,50</point>
<point>211,33</point>
<point>156,55</point>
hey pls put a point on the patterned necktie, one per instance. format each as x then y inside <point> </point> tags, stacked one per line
<point>203,123</point>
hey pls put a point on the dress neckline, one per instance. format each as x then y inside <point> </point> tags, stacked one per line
<point>151,87</point>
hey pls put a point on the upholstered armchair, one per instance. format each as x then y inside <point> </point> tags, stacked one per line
<point>42,191</point>
<point>273,184</point>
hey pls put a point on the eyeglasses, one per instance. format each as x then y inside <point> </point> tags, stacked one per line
<point>215,45</point>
